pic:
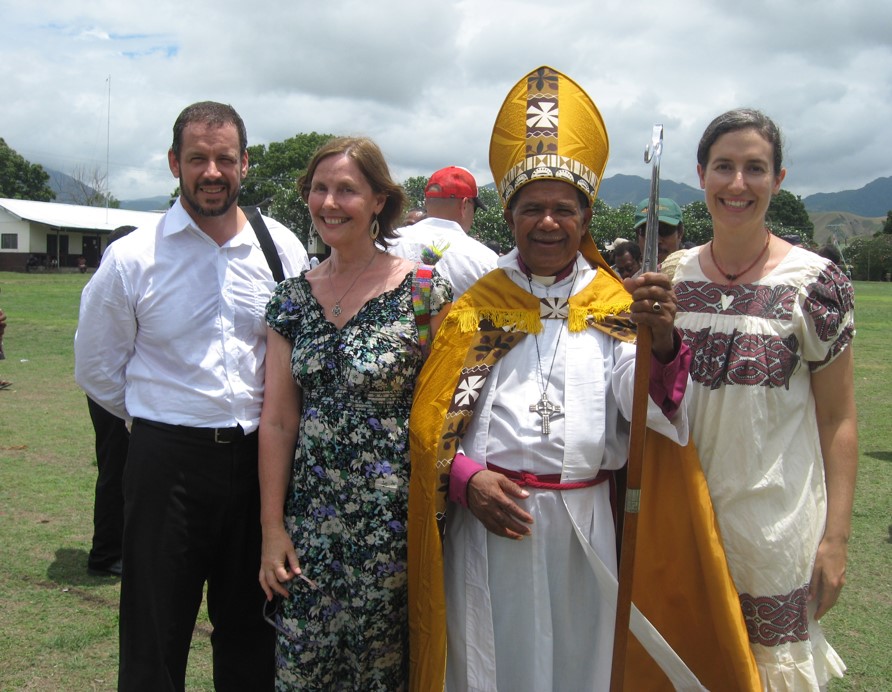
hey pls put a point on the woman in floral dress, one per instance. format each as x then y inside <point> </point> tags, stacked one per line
<point>343,354</point>
<point>773,414</point>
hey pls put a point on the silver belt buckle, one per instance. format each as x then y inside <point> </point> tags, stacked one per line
<point>217,437</point>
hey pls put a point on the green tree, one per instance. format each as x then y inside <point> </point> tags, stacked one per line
<point>608,223</point>
<point>414,188</point>
<point>887,227</point>
<point>289,208</point>
<point>271,183</point>
<point>870,257</point>
<point>272,177</point>
<point>697,223</point>
<point>787,216</point>
<point>276,167</point>
<point>20,179</point>
<point>490,224</point>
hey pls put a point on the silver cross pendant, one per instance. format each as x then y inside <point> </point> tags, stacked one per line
<point>546,409</point>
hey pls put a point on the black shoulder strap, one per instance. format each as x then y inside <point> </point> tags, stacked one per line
<point>266,242</point>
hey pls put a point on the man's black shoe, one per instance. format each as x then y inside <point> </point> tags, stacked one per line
<point>112,570</point>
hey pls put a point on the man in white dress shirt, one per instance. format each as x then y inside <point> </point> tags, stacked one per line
<point>172,337</point>
<point>451,201</point>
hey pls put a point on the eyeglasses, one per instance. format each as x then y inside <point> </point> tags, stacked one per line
<point>665,230</point>
<point>271,611</point>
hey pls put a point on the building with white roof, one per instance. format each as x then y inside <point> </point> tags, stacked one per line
<point>53,234</point>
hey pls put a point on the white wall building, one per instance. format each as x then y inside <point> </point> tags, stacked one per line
<point>53,233</point>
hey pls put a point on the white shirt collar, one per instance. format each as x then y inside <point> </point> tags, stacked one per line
<point>178,220</point>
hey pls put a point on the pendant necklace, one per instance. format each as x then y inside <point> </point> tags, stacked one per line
<point>545,408</point>
<point>733,277</point>
<point>336,310</point>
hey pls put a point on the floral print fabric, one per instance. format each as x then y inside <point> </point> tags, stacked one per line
<point>346,510</point>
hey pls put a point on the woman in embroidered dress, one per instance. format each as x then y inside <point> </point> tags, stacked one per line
<point>343,354</point>
<point>770,326</point>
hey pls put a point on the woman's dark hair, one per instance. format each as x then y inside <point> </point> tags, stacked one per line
<point>831,252</point>
<point>742,119</point>
<point>370,161</point>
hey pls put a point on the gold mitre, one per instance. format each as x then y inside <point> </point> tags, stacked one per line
<point>548,129</point>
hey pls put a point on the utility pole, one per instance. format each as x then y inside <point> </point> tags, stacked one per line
<point>107,147</point>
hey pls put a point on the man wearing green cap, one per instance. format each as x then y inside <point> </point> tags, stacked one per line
<point>671,232</point>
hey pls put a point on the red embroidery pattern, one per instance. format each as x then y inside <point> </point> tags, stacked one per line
<point>844,339</point>
<point>764,360</point>
<point>769,302</point>
<point>745,359</point>
<point>775,620</point>
<point>828,300</point>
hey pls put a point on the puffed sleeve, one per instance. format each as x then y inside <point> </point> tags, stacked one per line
<point>828,304</point>
<point>441,292</point>
<point>282,308</point>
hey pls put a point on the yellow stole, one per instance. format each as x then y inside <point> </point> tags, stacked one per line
<point>488,320</point>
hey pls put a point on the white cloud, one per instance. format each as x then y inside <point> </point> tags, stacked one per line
<point>426,80</point>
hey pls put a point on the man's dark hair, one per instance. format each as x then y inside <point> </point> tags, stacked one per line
<point>119,233</point>
<point>494,245</point>
<point>630,247</point>
<point>208,113</point>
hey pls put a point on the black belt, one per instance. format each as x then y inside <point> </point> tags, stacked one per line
<point>221,436</point>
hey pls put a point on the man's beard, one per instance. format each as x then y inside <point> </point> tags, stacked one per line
<point>210,211</point>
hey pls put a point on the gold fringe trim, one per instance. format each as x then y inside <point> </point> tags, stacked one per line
<point>581,317</point>
<point>530,322</point>
<point>525,321</point>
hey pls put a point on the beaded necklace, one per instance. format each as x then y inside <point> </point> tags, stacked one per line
<point>733,277</point>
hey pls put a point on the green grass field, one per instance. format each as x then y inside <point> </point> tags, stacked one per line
<point>58,626</point>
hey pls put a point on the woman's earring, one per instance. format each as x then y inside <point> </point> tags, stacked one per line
<point>375,228</point>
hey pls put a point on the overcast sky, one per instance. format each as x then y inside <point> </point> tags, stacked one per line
<point>425,80</point>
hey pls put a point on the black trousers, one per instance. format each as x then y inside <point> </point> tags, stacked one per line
<point>192,515</point>
<point>112,440</point>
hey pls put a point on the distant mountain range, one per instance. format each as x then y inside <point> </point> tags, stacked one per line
<point>836,215</point>
<point>64,186</point>
<point>69,191</point>
<point>621,189</point>
<point>873,200</point>
<point>842,226</point>
<point>160,203</point>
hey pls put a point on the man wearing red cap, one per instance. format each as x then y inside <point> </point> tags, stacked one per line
<point>451,201</point>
